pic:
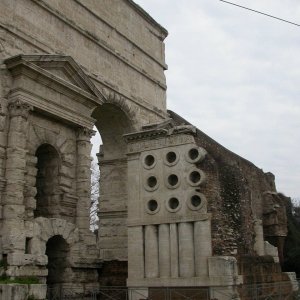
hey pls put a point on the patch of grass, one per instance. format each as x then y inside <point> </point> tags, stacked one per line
<point>21,280</point>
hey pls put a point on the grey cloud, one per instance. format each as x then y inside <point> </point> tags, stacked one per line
<point>235,75</point>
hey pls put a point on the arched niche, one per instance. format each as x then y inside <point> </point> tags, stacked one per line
<point>57,250</point>
<point>47,181</point>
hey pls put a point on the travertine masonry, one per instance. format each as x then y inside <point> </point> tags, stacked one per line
<point>176,209</point>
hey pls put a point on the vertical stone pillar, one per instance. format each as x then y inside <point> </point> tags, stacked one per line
<point>203,247</point>
<point>151,252</point>
<point>164,250</point>
<point>83,177</point>
<point>259,245</point>
<point>3,145</point>
<point>3,141</point>
<point>186,250</point>
<point>13,238</point>
<point>174,250</point>
<point>136,252</point>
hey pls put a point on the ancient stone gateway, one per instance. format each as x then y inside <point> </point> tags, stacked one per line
<point>176,208</point>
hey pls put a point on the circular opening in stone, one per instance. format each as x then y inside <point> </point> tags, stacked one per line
<point>173,203</point>
<point>195,176</point>
<point>171,157</point>
<point>152,205</point>
<point>193,153</point>
<point>195,201</point>
<point>149,160</point>
<point>152,181</point>
<point>172,179</point>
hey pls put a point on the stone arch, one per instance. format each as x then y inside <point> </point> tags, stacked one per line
<point>66,147</point>
<point>112,123</point>
<point>114,118</point>
<point>126,106</point>
<point>58,253</point>
<point>46,228</point>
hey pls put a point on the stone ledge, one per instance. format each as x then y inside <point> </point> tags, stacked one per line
<point>202,281</point>
<point>22,291</point>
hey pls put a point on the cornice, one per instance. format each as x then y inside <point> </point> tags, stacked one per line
<point>47,50</point>
<point>147,17</point>
<point>159,130</point>
<point>164,31</point>
<point>100,43</point>
<point>25,64</point>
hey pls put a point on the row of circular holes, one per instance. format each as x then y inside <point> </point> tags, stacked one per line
<point>193,156</point>
<point>195,178</point>
<point>173,204</point>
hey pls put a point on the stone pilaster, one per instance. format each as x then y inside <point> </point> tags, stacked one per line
<point>83,177</point>
<point>13,201</point>
<point>3,140</point>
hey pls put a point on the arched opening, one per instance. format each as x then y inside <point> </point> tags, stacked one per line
<point>57,250</point>
<point>95,178</point>
<point>47,197</point>
<point>112,123</point>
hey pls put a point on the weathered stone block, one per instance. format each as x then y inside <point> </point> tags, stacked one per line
<point>30,203</point>
<point>31,171</point>
<point>37,291</point>
<point>3,139</point>
<point>13,291</point>
<point>17,139</point>
<point>29,228</point>
<point>26,259</point>
<point>58,226</point>
<point>13,211</point>
<point>272,251</point>
<point>64,181</point>
<point>26,271</point>
<point>67,172</point>
<point>38,247</point>
<point>222,266</point>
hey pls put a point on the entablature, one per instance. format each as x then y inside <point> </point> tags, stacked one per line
<point>55,85</point>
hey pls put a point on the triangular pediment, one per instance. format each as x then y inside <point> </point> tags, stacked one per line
<point>60,68</point>
<point>63,74</point>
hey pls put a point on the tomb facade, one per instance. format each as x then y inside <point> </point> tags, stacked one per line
<point>176,209</point>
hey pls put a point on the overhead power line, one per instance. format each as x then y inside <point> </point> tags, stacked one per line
<point>261,13</point>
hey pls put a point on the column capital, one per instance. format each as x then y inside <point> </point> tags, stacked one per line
<point>85,134</point>
<point>18,107</point>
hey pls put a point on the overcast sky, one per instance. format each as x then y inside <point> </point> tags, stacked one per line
<point>236,76</point>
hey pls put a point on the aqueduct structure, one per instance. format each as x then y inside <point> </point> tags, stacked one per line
<point>176,208</point>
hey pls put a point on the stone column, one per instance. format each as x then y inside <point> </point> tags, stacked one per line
<point>164,250</point>
<point>83,176</point>
<point>135,253</point>
<point>3,141</point>
<point>186,250</point>
<point>203,247</point>
<point>259,245</point>
<point>13,238</point>
<point>174,250</point>
<point>151,252</point>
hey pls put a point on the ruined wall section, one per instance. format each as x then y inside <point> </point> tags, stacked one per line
<point>236,191</point>
<point>132,68</point>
